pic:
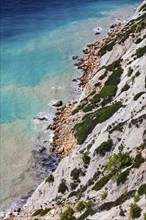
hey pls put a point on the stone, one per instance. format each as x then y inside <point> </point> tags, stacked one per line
<point>60,150</point>
<point>58,103</point>
<point>74,80</point>
<point>41,149</point>
<point>74,57</point>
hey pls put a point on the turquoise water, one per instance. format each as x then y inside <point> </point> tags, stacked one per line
<point>37,40</point>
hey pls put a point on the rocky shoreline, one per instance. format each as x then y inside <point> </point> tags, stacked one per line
<point>64,141</point>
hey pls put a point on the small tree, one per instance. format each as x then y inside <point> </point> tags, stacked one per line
<point>136,198</point>
<point>135,211</point>
<point>67,214</point>
<point>86,158</point>
<point>50,179</point>
<point>62,187</point>
<point>118,162</point>
<point>80,206</point>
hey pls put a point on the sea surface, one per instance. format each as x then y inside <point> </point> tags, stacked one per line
<point>38,39</point>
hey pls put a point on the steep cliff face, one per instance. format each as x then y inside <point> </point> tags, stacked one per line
<point>104,177</point>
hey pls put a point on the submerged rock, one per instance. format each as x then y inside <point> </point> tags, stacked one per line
<point>74,57</point>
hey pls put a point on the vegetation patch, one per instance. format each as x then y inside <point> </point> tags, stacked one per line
<point>114,65</point>
<point>73,193</point>
<point>108,91</point>
<point>125,88</point>
<point>106,146</point>
<point>118,127</point>
<point>103,75</point>
<point>104,195</point>
<point>75,173</point>
<point>41,212</point>
<point>67,214</point>
<point>83,129</point>
<point>135,211</point>
<point>50,179</point>
<point>130,71</point>
<point>108,46</point>
<point>88,212</point>
<point>136,198</point>
<point>114,78</point>
<point>122,177</point>
<point>86,158</point>
<point>117,162</point>
<point>140,52</point>
<point>142,190</point>
<point>134,26</point>
<point>62,187</point>
<point>118,201</point>
<point>81,206</point>
<point>138,95</point>
<point>102,182</point>
<point>138,160</point>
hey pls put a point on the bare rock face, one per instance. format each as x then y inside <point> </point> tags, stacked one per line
<point>58,103</point>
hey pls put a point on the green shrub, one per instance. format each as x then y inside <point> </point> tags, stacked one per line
<point>118,127</point>
<point>104,147</point>
<point>107,91</point>
<point>80,206</point>
<point>121,212</point>
<point>103,75</point>
<point>114,78</point>
<point>142,190</point>
<point>125,88</point>
<point>138,40</point>
<point>144,215</point>
<point>73,193</point>
<point>137,73</point>
<point>135,211</point>
<point>41,212</point>
<point>118,162</point>
<point>138,160</point>
<point>122,177</point>
<point>50,179</point>
<point>140,52</point>
<point>83,129</point>
<point>86,158</point>
<point>115,64</point>
<point>88,212</point>
<point>75,173</point>
<point>130,71</point>
<point>67,214</point>
<point>108,46</point>
<point>62,187</point>
<point>138,95</point>
<point>104,195</point>
<point>136,198</point>
<point>124,197</point>
<point>89,204</point>
<point>102,182</point>
<point>73,185</point>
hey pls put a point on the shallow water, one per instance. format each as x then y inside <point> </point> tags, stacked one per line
<point>37,42</point>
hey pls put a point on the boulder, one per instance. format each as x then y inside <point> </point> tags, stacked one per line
<point>58,103</point>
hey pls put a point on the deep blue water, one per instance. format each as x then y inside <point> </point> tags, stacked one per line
<point>25,59</point>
